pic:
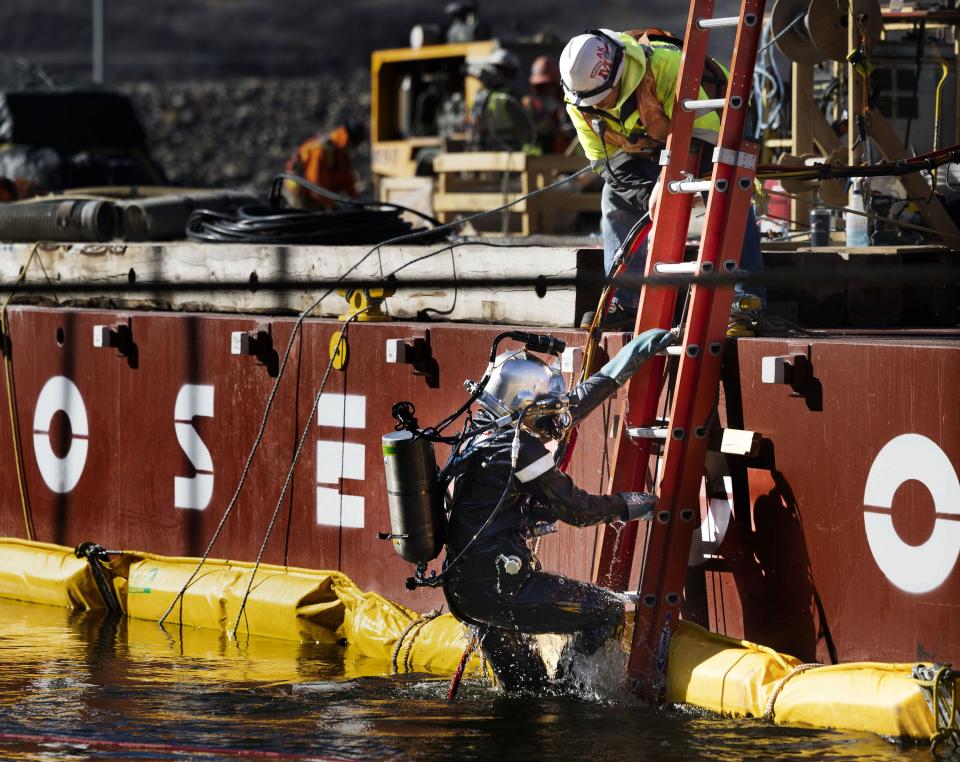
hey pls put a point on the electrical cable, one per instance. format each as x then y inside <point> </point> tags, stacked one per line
<point>365,222</point>
<point>871,215</point>
<point>783,31</point>
<point>921,43</point>
<point>293,464</point>
<point>6,351</point>
<point>258,224</point>
<point>277,188</point>
<point>289,348</point>
<point>824,171</point>
<point>447,564</point>
<point>768,117</point>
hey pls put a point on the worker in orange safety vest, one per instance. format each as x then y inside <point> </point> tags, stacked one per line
<point>324,160</point>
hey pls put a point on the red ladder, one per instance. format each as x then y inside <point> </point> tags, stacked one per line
<point>698,372</point>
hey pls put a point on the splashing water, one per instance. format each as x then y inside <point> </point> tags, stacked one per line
<point>83,687</point>
<point>600,676</point>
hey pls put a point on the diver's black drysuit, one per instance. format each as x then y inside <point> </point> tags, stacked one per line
<point>478,585</point>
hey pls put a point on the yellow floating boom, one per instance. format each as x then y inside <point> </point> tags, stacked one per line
<point>728,676</point>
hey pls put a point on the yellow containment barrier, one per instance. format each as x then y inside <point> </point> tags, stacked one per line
<point>718,673</point>
<point>728,676</point>
<point>740,678</point>
<point>877,698</point>
<point>50,574</point>
<point>284,602</point>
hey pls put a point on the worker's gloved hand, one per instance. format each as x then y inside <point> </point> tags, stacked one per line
<point>629,359</point>
<point>640,505</point>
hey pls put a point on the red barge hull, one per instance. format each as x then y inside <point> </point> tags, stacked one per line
<point>839,542</point>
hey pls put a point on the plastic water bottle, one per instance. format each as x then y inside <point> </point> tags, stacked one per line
<point>856,224</point>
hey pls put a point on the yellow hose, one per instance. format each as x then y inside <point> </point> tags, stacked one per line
<point>944,73</point>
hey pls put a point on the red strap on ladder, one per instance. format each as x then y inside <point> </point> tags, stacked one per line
<point>695,393</point>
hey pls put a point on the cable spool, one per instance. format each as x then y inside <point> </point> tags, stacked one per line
<point>812,31</point>
<point>827,25</point>
<point>788,24</point>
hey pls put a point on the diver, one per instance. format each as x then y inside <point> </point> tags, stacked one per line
<point>506,489</point>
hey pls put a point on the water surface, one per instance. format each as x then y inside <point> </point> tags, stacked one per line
<point>78,686</point>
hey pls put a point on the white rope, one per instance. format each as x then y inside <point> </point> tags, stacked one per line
<point>768,712</point>
<point>293,464</point>
<point>414,627</point>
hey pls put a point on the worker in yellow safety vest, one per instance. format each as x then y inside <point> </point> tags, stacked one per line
<point>620,90</point>
<point>498,120</point>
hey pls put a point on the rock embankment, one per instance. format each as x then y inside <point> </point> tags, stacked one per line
<point>240,132</point>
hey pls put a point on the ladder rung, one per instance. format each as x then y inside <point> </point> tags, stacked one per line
<point>674,349</point>
<point>676,268</point>
<point>690,186</point>
<point>648,432</point>
<point>718,23</point>
<point>692,104</point>
<point>735,442</point>
<point>727,441</point>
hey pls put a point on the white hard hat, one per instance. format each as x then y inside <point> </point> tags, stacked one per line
<point>504,60</point>
<point>590,65</point>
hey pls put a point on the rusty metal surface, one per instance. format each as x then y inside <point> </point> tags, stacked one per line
<point>792,568</point>
<point>125,494</point>
<point>849,548</point>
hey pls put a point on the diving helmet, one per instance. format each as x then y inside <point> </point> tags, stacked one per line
<point>519,379</point>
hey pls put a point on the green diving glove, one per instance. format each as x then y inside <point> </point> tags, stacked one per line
<point>629,359</point>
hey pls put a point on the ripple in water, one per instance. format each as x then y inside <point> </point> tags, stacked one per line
<point>78,686</point>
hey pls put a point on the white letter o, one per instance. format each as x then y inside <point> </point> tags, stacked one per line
<point>913,568</point>
<point>60,474</point>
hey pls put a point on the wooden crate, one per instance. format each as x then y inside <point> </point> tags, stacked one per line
<point>411,192</point>
<point>472,182</point>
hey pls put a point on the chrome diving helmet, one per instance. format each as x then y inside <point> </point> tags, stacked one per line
<point>522,381</point>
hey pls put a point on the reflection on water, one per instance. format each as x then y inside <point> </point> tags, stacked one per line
<point>77,686</point>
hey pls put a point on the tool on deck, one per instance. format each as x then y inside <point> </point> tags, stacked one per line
<point>695,391</point>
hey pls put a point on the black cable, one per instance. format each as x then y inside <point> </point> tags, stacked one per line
<point>620,184</point>
<point>362,203</point>
<point>368,223</point>
<point>921,41</point>
<point>436,579</point>
<point>329,289</point>
<point>229,230</point>
<point>258,224</point>
<point>912,275</point>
